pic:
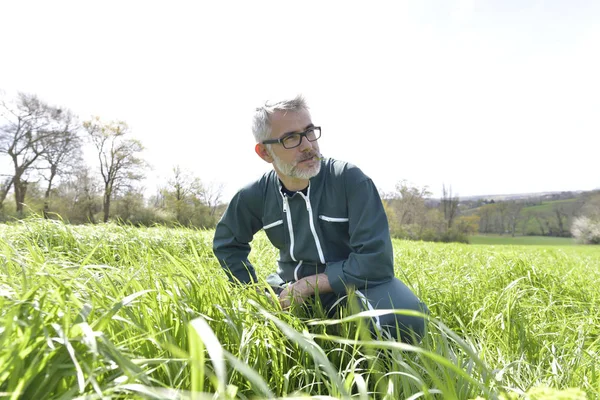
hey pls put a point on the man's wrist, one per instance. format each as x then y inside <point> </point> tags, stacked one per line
<point>302,288</point>
<point>309,285</point>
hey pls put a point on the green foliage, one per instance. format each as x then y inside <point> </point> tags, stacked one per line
<point>547,218</point>
<point>548,206</point>
<point>123,312</point>
<point>410,216</point>
<point>521,240</point>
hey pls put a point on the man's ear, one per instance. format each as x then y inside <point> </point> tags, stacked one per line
<point>262,152</point>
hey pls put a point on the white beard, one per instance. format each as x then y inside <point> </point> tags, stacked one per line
<point>292,170</point>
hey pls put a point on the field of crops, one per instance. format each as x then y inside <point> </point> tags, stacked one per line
<point>522,240</point>
<point>120,312</point>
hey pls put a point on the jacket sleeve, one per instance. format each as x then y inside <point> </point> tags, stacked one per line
<point>371,260</point>
<point>233,235</point>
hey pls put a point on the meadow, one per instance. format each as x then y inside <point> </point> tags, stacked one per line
<point>112,311</point>
<point>522,240</point>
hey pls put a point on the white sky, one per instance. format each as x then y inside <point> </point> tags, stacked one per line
<point>490,97</point>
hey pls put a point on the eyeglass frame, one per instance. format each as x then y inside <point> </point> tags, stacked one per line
<point>302,134</point>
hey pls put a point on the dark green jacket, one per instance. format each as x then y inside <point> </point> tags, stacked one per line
<point>338,227</point>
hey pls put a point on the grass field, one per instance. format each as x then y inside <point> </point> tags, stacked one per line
<point>548,206</point>
<point>521,240</point>
<point>118,312</point>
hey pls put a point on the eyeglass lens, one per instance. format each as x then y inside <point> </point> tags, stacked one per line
<point>294,140</point>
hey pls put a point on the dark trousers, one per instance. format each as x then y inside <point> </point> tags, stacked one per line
<point>392,295</point>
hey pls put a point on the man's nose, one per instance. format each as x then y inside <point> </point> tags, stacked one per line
<point>304,144</point>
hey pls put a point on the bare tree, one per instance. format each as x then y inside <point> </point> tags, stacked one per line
<point>120,164</point>
<point>513,212</point>
<point>485,213</point>
<point>63,153</point>
<point>562,217</point>
<point>526,217</point>
<point>542,223</point>
<point>158,200</point>
<point>449,205</point>
<point>27,125</point>
<point>502,208</point>
<point>87,192</point>
<point>211,195</point>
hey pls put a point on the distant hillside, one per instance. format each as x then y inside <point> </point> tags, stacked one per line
<point>544,214</point>
<point>544,196</point>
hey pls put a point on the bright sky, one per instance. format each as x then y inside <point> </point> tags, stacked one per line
<point>489,97</point>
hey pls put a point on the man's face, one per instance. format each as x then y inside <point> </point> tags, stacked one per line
<point>302,162</point>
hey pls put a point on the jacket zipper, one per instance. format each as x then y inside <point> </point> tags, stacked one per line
<point>312,225</point>
<point>286,210</point>
<point>296,270</point>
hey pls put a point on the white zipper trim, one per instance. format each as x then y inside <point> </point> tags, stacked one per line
<point>312,225</point>
<point>276,223</point>
<point>332,219</point>
<point>286,209</point>
<point>367,303</point>
<point>296,270</point>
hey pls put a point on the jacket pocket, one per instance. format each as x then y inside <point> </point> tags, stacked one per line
<point>276,233</point>
<point>335,234</point>
<point>332,219</point>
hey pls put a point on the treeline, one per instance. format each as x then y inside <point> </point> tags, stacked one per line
<point>414,215</point>
<point>41,151</point>
<point>41,147</point>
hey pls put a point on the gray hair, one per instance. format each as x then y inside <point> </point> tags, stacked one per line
<point>261,123</point>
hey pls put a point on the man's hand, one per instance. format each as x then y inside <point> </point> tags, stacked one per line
<point>301,290</point>
<point>295,292</point>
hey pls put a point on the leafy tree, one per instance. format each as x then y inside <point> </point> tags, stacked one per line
<point>27,127</point>
<point>413,216</point>
<point>586,230</point>
<point>562,216</point>
<point>130,207</point>
<point>527,227</point>
<point>513,213</point>
<point>179,194</point>
<point>87,195</point>
<point>62,155</point>
<point>409,203</point>
<point>467,224</point>
<point>120,164</point>
<point>485,214</point>
<point>191,202</point>
<point>586,227</point>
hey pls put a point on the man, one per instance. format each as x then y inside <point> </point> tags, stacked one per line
<point>325,217</point>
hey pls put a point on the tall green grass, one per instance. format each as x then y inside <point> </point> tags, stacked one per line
<point>120,312</point>
<point>522,240</point>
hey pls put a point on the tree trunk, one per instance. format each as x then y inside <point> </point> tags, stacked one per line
<point>4,189</point>
<point>20,190</point>
<point>559,218</point>
<point>91,215</point>
<point>541,225</point>
<point>48,189</point>
<point>90,210</point>
<point>106,206</point>
<point>106,200</point>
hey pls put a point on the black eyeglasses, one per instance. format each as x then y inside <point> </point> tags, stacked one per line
<point>294,139</point>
